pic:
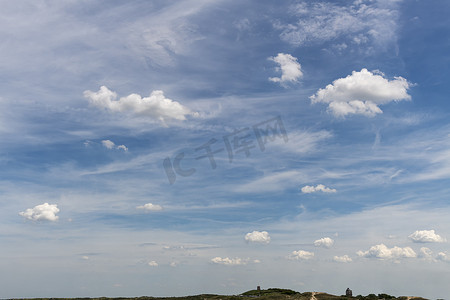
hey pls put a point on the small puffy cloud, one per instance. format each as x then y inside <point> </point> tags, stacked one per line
<point>228,261</point>
<point>361,93</point>
<point>153,263</point>
<point>108,144</point>
<point>325,242</point>
<point>261,237</point>
<point>425,253</point>
<point>318,188</point>
<point>156,106</point>
<point>289,67</point>
<point>85,257</point>
<point>426,236</point>
<point>381,251</point>
<point>443,256</point>
<point>46,212</point>
<point>111,145</point>
<point>122,147</point>
<point>174,264</point>
<point>150,207</point>
<point>342,259</point>
<point>301,255</point>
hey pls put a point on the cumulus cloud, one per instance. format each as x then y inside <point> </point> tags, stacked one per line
<point>318,188</point>
<point>426,236</point>
<point>150,207</point>
<point>122,147</point>
<point>381,251</point>
<point>46,212</point>
<point>228,261</point>
<point>111,145</point>
<point>156,106</point>
<point>289,67</point>
<point>443,256</point>
<point>301,255</point>
<point>425,253</point>
<point>153,263</point>
<point>342,259</point>
<point>258,237</point>
<point>108,144</point>
<point>361,93</point>
<point>325,242</point>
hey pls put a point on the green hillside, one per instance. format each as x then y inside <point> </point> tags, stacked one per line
<point>268,294</point>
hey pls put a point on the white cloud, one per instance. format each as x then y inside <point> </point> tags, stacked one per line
<point>364,23</point>
<point>301,255</point>
<point>425,253</point>
<point>320,187</point>
<point>150,207</point>
<point>122,147</point>
<point>325,242</point>
<point>228,261</point>
<point>111,145</point>
<point>381,251</point>
<point>153,263</point>
<point>108,144</point>
<point>342,259</point>
<point>426,236</point>
<point>361,93</point>
<point>289,67</point>
<point>443,256</point>
<point>41,212</point>
<point>277,181</point>
<point>159,39</point>
<point>356,107</point>
<point>156,106</point>
<point>258,237</point>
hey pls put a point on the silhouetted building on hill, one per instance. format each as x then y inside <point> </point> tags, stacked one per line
<point>348,292</point>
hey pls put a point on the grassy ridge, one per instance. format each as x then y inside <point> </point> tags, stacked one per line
<point>269,294</point>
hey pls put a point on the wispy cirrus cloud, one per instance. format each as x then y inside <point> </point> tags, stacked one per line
<point>358,23</point>
<point>272,182</point>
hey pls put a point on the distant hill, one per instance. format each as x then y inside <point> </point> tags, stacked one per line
<point>276,293</point>
<point>268,294</point>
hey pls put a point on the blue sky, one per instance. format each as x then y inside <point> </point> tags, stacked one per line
<point>171,148</point>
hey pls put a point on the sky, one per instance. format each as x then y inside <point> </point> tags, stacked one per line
<point>169,148</point>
